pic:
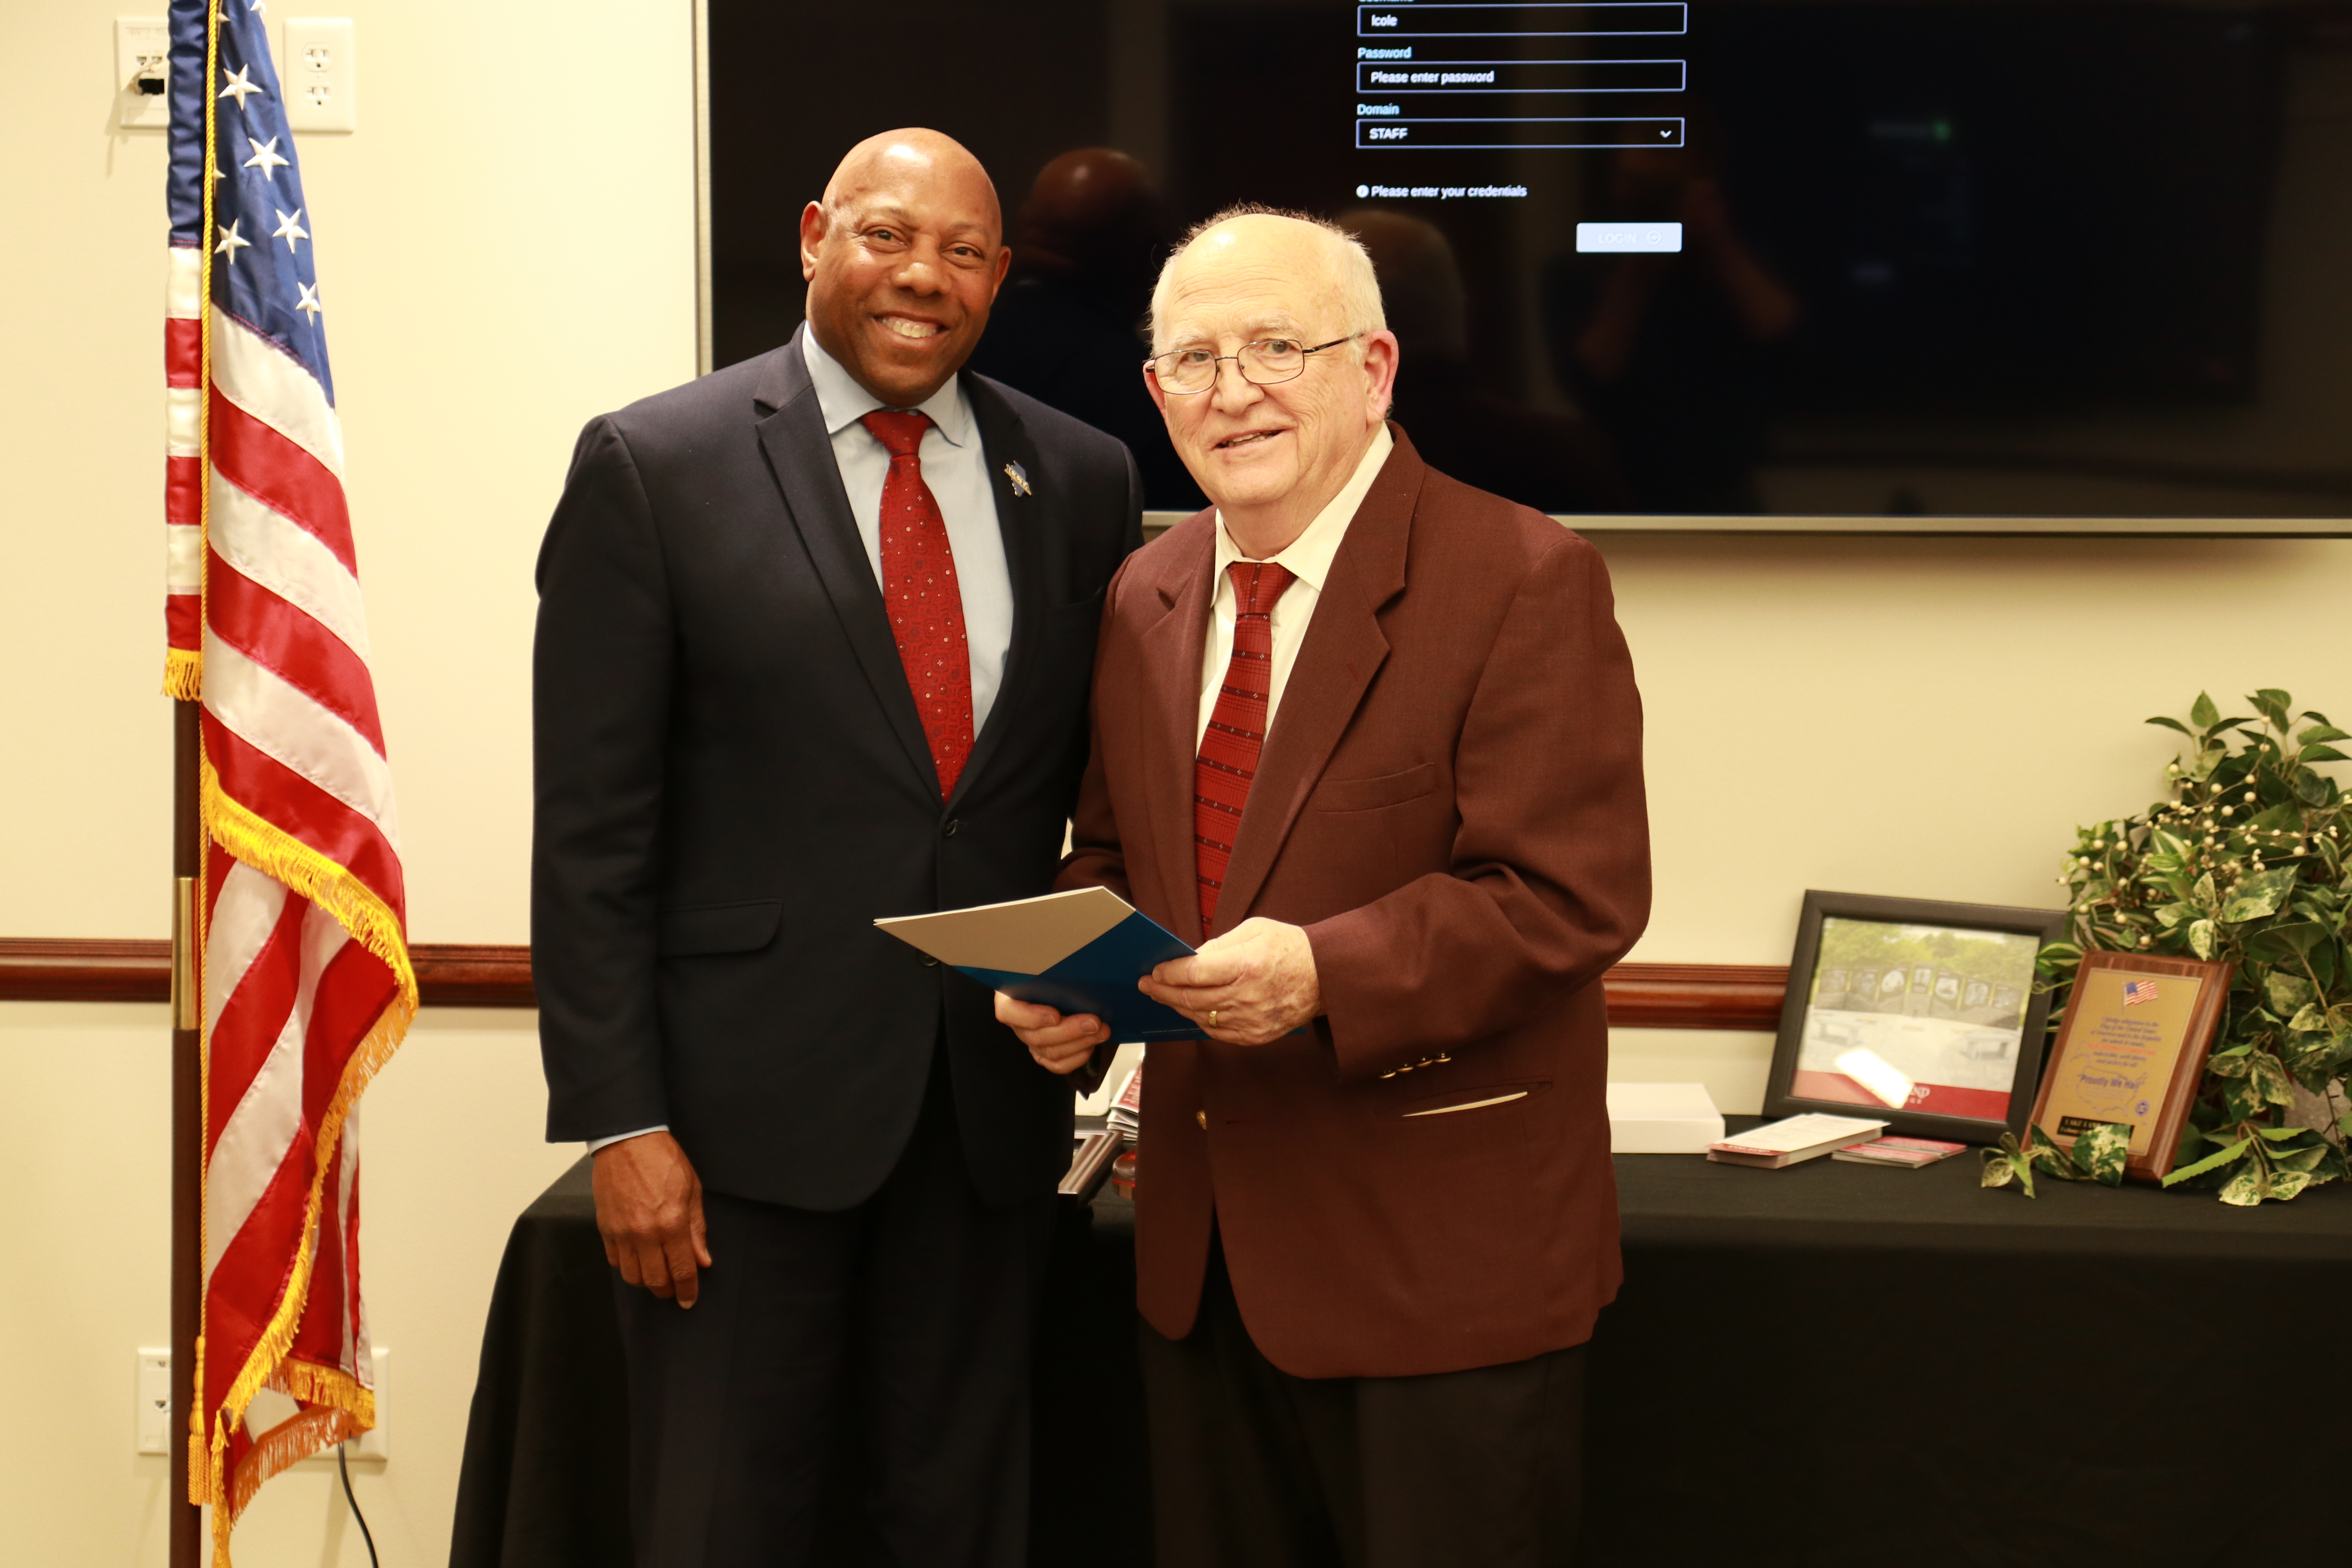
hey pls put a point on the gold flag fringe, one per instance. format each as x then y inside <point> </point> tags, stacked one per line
<point>268,847</point>
<point>183,674</point>
<point>265,1365</point>
<point>372,922</point>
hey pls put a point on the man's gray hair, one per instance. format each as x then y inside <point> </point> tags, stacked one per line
<point>1352,281</point>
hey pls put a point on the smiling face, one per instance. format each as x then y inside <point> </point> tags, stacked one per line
<point>903,258</point>
<point>1269,457</point>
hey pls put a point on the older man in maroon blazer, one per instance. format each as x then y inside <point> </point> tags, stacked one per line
<point>1369,739</point>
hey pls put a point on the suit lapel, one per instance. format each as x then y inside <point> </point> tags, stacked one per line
<point>1020,519</point>
<point>1171,649</point>
<point>799,456</point>
<point>1345,647</point>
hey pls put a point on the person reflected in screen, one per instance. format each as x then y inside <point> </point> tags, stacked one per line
<point>1674,354</point>
<point>1068,327</point>
<point>1554,462</point>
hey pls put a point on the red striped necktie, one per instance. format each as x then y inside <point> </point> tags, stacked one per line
<point>1237,733</point>
<point>924,599</point>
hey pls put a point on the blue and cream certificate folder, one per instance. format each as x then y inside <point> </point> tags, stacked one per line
<point>1081,951</point>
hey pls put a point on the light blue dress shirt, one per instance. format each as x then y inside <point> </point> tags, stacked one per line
<point>956,467</point>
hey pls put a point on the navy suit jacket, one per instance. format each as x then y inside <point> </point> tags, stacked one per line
<point>731,785</point>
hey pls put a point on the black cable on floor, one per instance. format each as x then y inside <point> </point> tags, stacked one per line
<point>344,1463</point>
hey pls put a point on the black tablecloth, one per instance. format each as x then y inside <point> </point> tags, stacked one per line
<point>1828,1364</point>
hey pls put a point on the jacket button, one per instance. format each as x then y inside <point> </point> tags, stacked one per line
<point>950,830</point>
<point>1203,1118</point>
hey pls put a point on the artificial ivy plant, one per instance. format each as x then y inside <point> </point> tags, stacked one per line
<point>2246,862</point>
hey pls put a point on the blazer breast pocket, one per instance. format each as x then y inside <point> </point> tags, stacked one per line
<point>1372,794</point>
<point>744,927</point>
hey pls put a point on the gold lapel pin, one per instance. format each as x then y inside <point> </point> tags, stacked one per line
<point>1020,478</point>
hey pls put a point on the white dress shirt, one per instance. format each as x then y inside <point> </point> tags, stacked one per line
<point>1308,558</point>
<point>955,466</point>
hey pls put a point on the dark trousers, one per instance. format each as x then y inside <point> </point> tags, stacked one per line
<point>1252,1467</point>
<point>889,1341</point>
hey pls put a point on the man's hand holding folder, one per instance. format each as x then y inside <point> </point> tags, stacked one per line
<point>1061,964</point>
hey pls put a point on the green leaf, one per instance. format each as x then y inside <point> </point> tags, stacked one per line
<point>2273,704</point>
<point>2285,1185</point>
<point>2321,755</point>
<point>2174,724</point>
<point>2258,894</point>
<point>2288,994</point>
<point>2100,1151</point>
<point>2283,943</point>
<point>2203,713</point>
<point>2245,1189</point>
<point>2213,1161</point>
<point>2309,787</point>
<point>2269,1080</point>
<point>2200,939</point>
<point>2317,732</point>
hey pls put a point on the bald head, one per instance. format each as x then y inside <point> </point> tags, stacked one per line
<point>931,156</point>
<point>903,258</point>
<point>1316,265</point>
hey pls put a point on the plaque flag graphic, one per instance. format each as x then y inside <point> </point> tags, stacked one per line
<point>305,986</point>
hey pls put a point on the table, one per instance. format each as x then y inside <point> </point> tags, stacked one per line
<point>1825,1365</point>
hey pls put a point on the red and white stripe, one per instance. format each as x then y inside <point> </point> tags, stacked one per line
<point>306,992</point>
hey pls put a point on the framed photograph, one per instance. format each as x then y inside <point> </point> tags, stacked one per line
<point>2132,1050</point>
<point>1920,1011</point>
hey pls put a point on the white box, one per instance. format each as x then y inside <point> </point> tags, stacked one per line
<point>1662,1119</point>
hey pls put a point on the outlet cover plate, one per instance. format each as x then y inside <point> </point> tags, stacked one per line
<point>143,48</point>
<point>318,71</point>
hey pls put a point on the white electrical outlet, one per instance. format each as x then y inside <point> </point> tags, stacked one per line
<point>154,1393</point>
<point>142,68</point>
<point>317,72</point>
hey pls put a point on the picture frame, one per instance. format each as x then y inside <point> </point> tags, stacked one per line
<point>2113,1063</point>
<point>1921,1012</point>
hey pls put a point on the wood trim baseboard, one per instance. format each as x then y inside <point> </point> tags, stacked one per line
<point>471,975</point>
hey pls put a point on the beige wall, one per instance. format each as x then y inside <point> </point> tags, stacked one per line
<point>1913,717</point>
<point>506,247</point>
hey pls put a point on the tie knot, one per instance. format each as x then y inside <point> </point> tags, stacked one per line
<point>1257,584</point>
<point>900,430</point>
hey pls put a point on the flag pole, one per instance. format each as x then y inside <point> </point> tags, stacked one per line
<point>186,1533</point>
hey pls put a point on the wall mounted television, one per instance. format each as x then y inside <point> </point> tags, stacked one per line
<point>2040,264</point>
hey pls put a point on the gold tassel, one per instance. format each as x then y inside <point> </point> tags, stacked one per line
<point>183,674</point>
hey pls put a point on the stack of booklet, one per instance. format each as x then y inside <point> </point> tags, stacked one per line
<point>1795,1139</point>
<point>1908,1154</point>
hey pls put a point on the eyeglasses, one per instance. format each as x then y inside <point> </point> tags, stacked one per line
<point>1265,363</point>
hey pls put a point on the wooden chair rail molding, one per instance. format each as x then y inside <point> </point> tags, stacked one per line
<point>465,974</point>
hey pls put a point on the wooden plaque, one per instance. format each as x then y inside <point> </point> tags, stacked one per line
<point>2132,1050</point>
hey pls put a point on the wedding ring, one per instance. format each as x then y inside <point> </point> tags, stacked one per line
<point>1212,1017</point>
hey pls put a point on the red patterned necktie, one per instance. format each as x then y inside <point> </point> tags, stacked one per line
<point>920,591</point>
<point>1237,733</point>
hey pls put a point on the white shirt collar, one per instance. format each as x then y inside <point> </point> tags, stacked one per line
<point>1309,557</point>
<point>843,401</point>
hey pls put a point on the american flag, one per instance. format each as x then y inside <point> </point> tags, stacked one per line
<point>2139,991</point>
<point>306,982</point>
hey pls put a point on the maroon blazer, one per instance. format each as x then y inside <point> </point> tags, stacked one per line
<point>1450,802</point>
